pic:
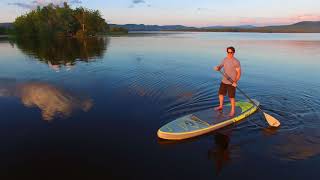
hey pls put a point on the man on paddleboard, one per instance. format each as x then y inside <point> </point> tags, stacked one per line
<point>232,68</point>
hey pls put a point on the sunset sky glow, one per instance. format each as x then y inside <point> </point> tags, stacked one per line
<point>184,12</point>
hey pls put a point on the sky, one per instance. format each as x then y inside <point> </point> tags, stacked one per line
<point>197,13</point>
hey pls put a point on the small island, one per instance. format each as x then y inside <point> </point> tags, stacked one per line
<point>54,20</point>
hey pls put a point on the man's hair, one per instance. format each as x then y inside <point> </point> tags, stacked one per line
<point>232,48</point>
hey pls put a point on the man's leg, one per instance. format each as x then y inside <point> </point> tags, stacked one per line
<point>222,93</point>
<point>232,94</point>
<point>233,105</point>
<point>221,99</point>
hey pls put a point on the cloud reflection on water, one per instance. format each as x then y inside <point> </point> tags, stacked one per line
<point>51,100</point>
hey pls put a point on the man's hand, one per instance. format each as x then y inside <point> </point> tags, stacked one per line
<point>234,84</point>
<point>217,68</point>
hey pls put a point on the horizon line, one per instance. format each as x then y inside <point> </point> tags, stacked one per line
<point>200,26</point>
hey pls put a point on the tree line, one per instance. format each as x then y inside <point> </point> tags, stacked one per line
<point>62,21</point>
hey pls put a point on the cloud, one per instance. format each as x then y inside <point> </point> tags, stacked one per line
<point>23,5</point>
<point>263,21</point>
<point>205,9</point>
<point>36,3</point>
<point>136,2</point>
<point>307,17</point>
<point>75,2</point>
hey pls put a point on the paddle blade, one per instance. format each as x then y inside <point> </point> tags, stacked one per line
<point>271,120</point>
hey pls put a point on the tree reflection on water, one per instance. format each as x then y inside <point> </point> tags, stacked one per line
<point>63,51</point>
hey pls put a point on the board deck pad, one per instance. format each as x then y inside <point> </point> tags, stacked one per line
<point>212,116</point>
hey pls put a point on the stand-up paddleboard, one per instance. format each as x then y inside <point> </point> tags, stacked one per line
<point>205,121</point>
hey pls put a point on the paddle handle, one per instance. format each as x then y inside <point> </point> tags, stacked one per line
<point>230,80</point>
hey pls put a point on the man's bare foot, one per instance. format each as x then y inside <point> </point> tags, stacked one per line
<point>219,108</point>
<point>231,114</point>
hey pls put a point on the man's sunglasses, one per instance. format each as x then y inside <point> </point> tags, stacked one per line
<point>230,52</point>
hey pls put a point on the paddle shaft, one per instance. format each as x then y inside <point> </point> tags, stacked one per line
<point>230,80</point>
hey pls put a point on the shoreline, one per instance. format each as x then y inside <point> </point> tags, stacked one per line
<point>289,32</point>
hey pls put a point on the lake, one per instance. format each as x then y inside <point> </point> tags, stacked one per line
<point>91,108</point>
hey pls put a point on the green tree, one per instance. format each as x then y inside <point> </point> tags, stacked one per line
<point>55,20</point>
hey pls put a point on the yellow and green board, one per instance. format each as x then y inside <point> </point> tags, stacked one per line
<point>205,121</point>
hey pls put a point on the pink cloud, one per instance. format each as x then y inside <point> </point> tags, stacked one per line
<point>307,17</point>
<point>262,21</point>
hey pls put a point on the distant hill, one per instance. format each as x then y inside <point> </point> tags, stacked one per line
<point>224,27</point>
<point>5,28</point>
<point>301,27</point>
<point>143,27</point>
<point>5,25</point>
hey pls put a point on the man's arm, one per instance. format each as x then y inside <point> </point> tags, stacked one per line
<point>217,68</point>
<point>238,71</point>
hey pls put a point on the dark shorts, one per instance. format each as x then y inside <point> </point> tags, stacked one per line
<point>224,88</point>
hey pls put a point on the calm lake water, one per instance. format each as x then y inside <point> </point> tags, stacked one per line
<point>90,109</point>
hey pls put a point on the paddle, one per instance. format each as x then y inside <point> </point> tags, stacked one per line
<point>271,120</point>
